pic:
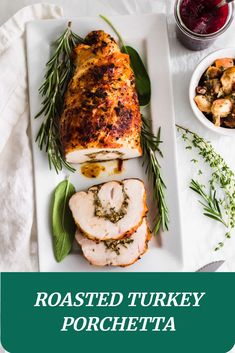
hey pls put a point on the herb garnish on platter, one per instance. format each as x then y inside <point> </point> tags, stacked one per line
<point>150,146</point>
<point>63,226</point>
<point>58,73</point>
<point>219,196</point>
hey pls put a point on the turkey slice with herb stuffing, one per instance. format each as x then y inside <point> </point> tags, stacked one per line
<point>123,252</point>
<point>112,210</point>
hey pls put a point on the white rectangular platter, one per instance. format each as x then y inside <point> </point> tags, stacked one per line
<point>147,34</point>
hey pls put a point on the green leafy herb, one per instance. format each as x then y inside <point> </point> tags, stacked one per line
<point>142,80</point>
<point>210,205</point>
<point>150,145</point>
<point>143,84</point>
<point>58,73</point>
<point>63,226</point>
<point>219,196</point>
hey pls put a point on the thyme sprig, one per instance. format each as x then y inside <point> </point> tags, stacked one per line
<point>58,73</point>
<point>150,146</point>
<point>222,182</point>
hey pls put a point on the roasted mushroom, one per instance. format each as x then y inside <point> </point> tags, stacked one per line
<point>228,80</point>
<point>221,108</point>
<point>212,72</point>
<point>213,86</point>
<point>203,103</point>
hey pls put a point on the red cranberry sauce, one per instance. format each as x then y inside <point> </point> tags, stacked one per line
<point>201,16</point>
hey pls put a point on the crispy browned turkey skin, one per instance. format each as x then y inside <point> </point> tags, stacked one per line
<point>101,118</point>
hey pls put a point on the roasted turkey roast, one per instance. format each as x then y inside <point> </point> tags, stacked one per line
<point>101,119</point>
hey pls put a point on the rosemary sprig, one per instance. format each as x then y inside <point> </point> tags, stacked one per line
<point>150,146</point>
<point>222,182</point>
<point>58,73</point>
<point>211,204</point>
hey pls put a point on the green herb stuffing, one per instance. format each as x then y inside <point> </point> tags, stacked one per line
<point>114,245</point>
<point>111,213</point>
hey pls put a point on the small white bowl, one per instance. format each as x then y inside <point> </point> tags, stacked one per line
<point>197,74</point>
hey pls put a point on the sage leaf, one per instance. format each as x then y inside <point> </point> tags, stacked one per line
<point>143,85</point>
<point>63,226</point>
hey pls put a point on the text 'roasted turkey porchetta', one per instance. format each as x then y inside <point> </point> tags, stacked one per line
<point>101,119</point>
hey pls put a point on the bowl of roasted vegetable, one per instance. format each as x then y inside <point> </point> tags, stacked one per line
<point>212,91</point>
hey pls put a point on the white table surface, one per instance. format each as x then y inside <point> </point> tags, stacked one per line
<point>196,228</point>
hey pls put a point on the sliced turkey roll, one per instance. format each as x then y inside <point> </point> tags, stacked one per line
<point>112,210</point>
<point>123,252</point>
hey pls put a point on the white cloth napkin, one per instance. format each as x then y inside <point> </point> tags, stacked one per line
<point>18,241</point>
<point>18,250</point>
